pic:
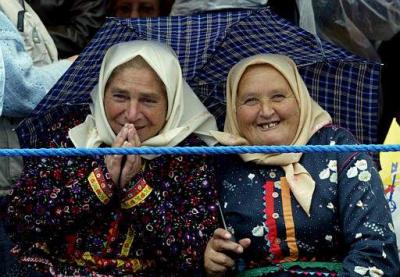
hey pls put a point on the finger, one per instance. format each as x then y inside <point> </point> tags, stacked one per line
<point>221,259</point>
<point>113,164</point>
<point>245,243</point>
<point>223,241</point>
<point>118,142</point>
<point>133,136</point>
<point>136,138</point>
<point>134,141</point>
<point>113,160</point>
<point>214,269</point>
<point>132,165</point>
<point>222,234</point>
<point>215,262</point>
<point>133,162</point>
<point>224,245</point>
<point>121,137</point>
<point>129,158</point>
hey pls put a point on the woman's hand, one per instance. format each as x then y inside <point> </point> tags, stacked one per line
<point>122,173</point>
<point>133,163</point>
<point>216,261</point>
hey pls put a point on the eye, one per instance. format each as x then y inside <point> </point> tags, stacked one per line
<point>251,101</point>
<point>119,97</point>
<point>278,98</point>
<point>149,101</point>
<point>146,9</point>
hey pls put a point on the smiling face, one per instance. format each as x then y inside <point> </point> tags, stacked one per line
<point>136,8</point>
<point>266,108</point>
<point>137,96</point>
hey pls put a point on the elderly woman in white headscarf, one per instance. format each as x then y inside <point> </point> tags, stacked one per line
<point>121,215</point>
<point>322,214</point>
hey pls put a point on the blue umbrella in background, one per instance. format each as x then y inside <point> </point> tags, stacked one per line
<point>208,45</point>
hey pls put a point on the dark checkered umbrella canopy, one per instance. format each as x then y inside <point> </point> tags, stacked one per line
<point>207,46</point>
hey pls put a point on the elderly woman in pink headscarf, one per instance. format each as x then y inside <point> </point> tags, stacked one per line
<point>293,214</point>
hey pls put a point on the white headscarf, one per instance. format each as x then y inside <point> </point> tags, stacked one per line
<point>185,114</point>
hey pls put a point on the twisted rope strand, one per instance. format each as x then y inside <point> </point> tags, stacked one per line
<point>197,150</point>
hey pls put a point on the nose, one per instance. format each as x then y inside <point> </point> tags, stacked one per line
<point>132,112</point>
<point>134,12</point>
<point>266,109</point>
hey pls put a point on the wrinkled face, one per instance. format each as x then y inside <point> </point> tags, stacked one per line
<point>136,8</point>
<point>266,108</point>
<point>136,96</point>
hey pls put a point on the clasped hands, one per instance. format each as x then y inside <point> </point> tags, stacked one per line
<point>123,170</point>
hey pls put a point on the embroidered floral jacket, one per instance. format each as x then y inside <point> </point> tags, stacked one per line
<point>68,217</point>
<point>350,228</point>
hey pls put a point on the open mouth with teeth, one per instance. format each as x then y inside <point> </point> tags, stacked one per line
<point>269,125</point>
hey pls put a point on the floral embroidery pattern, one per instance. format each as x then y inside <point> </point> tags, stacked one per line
<point>329,172</point>
<point>229,186</point>
<point>259,230</point>
<point>168,229</point>
<point>371,271</point>
<point>375,228</point>
<point>363,175</point>
<point>351,206</point>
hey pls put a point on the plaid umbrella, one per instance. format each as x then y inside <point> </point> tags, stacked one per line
<point>208,45</point>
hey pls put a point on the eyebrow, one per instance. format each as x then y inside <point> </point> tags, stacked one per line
<point>251,94</point>
<point>276,90</point>
<point>141,94</point>
<point>150,94</point>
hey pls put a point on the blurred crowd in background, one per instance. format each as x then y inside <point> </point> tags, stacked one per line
<point>369,28</point>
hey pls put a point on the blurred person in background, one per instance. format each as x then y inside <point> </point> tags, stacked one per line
<point>368,28</point>
<point>284,8</point>
<point>187,7</point>
<point>29,67</point>
<point>71,23</point>
<point>139,8</point>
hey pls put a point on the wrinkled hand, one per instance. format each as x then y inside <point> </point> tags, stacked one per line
<point>216,261</point>
<point>120,173</point>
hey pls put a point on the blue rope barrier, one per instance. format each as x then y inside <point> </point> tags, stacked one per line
<point>197,150</point>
